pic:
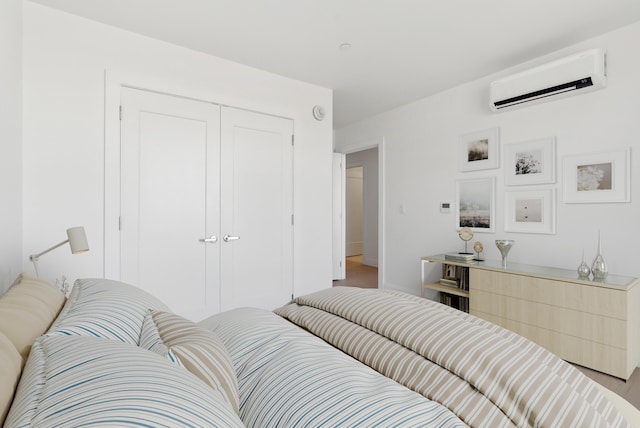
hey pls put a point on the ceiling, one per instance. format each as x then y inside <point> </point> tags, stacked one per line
<point>401,50</point>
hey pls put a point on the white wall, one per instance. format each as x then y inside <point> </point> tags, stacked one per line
<point>368,160</point>
<point>421,166</point>
<point>10,142</point>
<point>354,211</point>
<point>65,58</point>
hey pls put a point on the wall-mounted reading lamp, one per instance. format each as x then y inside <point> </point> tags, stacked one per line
<point>77,240</point>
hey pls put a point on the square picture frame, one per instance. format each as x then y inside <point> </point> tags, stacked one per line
<point>476,204</point>
<point>479,150</point>
<point>603,177</point>
<point>530,162</point>
<point>530,211</point>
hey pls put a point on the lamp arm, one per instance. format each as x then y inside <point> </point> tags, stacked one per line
<point>35,257</point>
<point>35,265</point>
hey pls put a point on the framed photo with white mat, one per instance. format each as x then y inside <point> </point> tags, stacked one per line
<point>530,211</point>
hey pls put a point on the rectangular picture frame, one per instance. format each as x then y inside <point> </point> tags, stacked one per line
<point>479,150</point>
<point>449,272</point>
<point>603,177</point>
<point>476,204</point>
<point>530,211</point>
<point>530,162</point>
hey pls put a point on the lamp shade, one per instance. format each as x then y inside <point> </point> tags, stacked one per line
<point>77,240</point>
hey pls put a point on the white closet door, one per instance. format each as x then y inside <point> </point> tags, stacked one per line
<point>170,192</point>
<point>256,208</point>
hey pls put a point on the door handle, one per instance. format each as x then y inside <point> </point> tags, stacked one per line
<point>212,239</point>
<point>227,238</point>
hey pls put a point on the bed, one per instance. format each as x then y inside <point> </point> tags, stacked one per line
<point>112,355</point>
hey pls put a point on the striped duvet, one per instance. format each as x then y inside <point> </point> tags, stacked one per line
<point>289,378</point>
<point>487,376</point>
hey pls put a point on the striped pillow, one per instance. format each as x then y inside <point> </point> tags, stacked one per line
<point>85,381</point>
<point>150,339</point>
<point>105,308</point>
<point>199,350</point>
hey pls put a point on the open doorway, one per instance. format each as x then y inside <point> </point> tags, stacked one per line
<point>361,219</point>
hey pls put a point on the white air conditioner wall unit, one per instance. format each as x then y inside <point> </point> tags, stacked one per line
<point>576,74</point>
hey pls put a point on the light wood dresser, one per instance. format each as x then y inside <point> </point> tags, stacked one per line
<point>593,324</point>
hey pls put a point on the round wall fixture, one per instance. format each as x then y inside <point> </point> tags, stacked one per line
<point>318,112</point>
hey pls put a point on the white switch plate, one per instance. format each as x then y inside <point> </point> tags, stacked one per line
<point>445,207</point>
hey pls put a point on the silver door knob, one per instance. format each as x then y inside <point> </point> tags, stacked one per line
<point>227,238</point>
<point>212,239</point>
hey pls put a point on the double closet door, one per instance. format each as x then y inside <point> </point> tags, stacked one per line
<point>206,204</point>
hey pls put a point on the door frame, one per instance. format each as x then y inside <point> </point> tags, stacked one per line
<point>372,143</point>
<point>113,83</point>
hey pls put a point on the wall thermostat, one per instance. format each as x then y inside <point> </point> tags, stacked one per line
<point>445,207</point>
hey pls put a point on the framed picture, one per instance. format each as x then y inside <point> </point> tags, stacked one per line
<point>598,177</point>
<point>479,150</point>
<point>449,271</point>
<point>476,204</point>
<point>530,162</point>
<point>531,211</point>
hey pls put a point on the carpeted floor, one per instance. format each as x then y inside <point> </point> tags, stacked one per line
<point>358,275</point>
<point>629,390</point>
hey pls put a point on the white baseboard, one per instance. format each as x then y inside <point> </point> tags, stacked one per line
<point>370,261</point>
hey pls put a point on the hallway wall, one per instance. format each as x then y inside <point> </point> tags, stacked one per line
<point>368,159</point>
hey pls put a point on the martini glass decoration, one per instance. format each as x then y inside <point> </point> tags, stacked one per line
<point>504,245</point>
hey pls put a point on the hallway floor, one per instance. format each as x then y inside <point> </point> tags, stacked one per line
<point>358,275</point>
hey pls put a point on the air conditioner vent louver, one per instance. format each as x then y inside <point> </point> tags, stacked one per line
<point>580,73</point>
